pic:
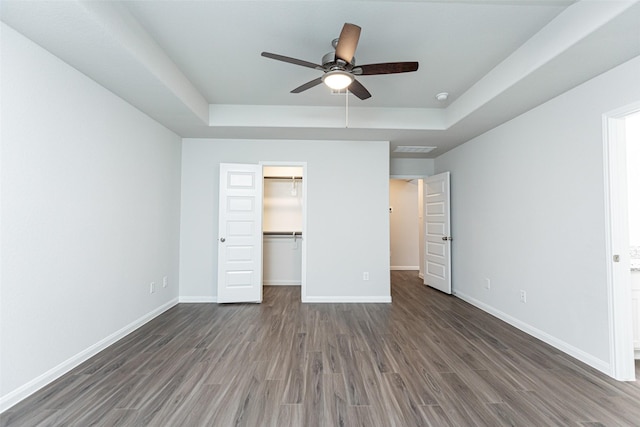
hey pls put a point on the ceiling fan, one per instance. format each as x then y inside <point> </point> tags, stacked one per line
<point>340,67</point>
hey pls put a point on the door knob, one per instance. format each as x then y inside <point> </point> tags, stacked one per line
<point>222,239</point>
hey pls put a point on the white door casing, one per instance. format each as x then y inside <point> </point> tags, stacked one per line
<point>617,243</point>
<point>240,233</point>
<point>437,253</point>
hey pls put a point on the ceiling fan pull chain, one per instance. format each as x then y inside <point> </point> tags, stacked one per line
<point>346,109</point>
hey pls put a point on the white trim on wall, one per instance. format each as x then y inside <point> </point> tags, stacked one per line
<point>281,283</point>
<point>537,333</point>
<point>196,299</point>
<point>405,267</point>
<point>347,299</point>
<point>8,400</point>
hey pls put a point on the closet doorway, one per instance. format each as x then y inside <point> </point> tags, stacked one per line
<point>406,224</point>
<point>284,225</point>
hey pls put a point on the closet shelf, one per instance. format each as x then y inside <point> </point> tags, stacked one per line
<point>284,177</point>
<point>283,233</point>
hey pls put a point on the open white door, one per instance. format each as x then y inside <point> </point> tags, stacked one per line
<point>437,263</point>
<point>240,233</point>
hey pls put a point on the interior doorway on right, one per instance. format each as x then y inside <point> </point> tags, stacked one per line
<point>406,224</point>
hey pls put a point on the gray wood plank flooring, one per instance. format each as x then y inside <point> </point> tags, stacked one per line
<point>428,359</point>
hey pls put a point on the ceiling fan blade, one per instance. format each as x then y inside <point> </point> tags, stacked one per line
<point>291,60</point>
<point>385,68</point>
<point>347,42</point>
<point>308,85</point>
<point>358,90</point>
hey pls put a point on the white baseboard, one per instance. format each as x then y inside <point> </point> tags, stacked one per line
<point>24,391</point>
<point>420,275</point>
<point>575,352</point>
<point>338,300</point>
<point>190,300</point>
<point>281,283</point>
<point>636,354</point>
<point>405,267</point>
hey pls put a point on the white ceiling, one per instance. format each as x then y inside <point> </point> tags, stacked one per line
<point>195,66</point>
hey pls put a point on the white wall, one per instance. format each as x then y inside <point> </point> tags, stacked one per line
<point>528,213</point>
<point>347,214</point>
<point>403,198</point>
<point>411,167</point>
<point>90,216</point>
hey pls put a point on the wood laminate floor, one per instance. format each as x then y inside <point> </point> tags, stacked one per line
<point>428,359</point>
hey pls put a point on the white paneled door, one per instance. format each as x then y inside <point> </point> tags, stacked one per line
<point>437,262</point>
<point>240,233</point>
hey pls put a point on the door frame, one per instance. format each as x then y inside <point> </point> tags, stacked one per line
<point>303,247</point>
<point>421,219</point>
<point>621,355</point>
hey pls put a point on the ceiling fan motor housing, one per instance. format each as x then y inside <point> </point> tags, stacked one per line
<point>329,61</point>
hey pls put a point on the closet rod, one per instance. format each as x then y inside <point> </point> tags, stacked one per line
<point>283,233</point>
<point>282,177</point>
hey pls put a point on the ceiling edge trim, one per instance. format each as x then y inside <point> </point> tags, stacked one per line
<point>571,26</point>
<point>117,21</point>
<point>221,115</point>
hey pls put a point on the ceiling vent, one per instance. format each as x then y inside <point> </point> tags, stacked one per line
<point>419,149</point>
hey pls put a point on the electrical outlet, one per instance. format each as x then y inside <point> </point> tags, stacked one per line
<point>365,275</point>
<point>523,296</point>
<point>152,287</point>
<point>165,281</point>
<point>487,283</point>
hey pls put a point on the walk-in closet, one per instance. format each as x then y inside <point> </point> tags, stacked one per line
<point>283,204</point>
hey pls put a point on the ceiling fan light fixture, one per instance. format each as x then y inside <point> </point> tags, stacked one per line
<point>337,79</point>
